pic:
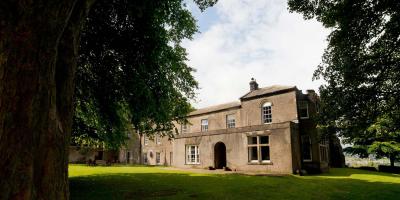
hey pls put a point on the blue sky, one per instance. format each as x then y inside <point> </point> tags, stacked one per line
<point>241,39</point>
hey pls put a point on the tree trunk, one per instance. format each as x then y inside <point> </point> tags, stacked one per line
<point>38,52</point>
<point>392,158</point>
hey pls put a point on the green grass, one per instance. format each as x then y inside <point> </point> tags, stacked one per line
<point>138,182</point>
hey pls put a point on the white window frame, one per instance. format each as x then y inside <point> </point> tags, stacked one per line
<point>158,139</point>
<point>310,144</point>
<point>266,117</point>
<point>301,106</point>
<point>258,145</point>
<point>158,158</point>
<point>204,125</point>
<point>184,128</point>
<point>231,123</point>
<point>192,159</point>
<point>146,140</point>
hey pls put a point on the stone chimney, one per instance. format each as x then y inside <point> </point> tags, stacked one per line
<point>253,84</point>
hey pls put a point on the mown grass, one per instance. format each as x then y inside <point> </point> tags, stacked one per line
<point>140,182</point>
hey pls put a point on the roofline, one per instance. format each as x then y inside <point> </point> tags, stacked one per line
<point>243,98</point>
<point>214,111</point>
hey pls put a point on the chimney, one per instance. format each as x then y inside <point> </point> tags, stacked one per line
<point>253,85</point>
<point>312,92</point>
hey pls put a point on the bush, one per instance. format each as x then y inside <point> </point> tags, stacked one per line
<point>367,168</point>
<point>390,169</point>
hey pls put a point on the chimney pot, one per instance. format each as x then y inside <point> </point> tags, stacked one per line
<point>253,84</point>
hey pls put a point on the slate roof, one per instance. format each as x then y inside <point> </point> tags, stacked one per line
<point>267,90</point>
<point>215,108</point>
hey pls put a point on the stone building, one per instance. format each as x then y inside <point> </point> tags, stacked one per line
<point>269,129</point>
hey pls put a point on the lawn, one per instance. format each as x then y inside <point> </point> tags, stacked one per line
<point>138,182</point>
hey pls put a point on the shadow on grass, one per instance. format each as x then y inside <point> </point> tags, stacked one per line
<point>205,186</point>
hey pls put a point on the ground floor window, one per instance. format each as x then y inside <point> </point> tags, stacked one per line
<point>158,158</point>
<point>306,148</point>
<point>258,149</point>
<point>192,154</point>
<point>145,158</point>
<point>323,150</point>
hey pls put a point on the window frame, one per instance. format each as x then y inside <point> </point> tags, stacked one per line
<point>186,129</point>
<point>145,159</point>
<point>230,123</point>
<point>324,151</point>
<point>302,103</point>
<point>158,139</point>
<point>264,116</point>
<point>158,158</point>
<point>204,127</point>
<point>146,140</point>
<point>259,146</point>
<point>310,146</point>
<point>188,154</point>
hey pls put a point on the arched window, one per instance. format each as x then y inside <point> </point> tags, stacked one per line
<point>267,113</point>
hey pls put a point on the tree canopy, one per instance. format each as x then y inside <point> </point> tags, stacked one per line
<point>360,66</point>
<point>132,72</point>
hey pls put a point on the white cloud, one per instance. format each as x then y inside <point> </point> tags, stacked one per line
<point>254,38</point>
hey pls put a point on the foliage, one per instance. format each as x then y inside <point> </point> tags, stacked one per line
<point>122,182</point>
<point>132,72</point>
<point>360,66</point>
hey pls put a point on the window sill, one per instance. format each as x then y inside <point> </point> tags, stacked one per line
<point>307,160</point>
<point>192,163</point>
<point>304,118</point>
<point>260,163</point>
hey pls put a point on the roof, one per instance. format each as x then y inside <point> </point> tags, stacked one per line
<point>215,108</point>
<point>268,90</point>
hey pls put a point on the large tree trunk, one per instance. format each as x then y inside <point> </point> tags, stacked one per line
<point>392,158</point>
<point>38,52</point>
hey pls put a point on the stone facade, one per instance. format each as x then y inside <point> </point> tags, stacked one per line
<point>270,130</point>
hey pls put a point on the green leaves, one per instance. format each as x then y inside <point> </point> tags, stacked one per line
<point>132,71</point>
<point>361,66</point>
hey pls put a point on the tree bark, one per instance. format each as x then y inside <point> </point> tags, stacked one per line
<point>392,158</point>
<point>38,51</point>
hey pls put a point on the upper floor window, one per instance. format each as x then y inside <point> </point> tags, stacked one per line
<point>146,140</point>
<point>303,109</point>
<point>184,128</point>
<point>158,139</point>
<point>204,125</point>
<point>267,113</point>
<point>230,121</point>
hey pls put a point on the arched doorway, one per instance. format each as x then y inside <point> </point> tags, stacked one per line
<point>219,155</point>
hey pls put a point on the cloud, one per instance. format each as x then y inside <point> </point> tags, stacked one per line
<point>253,38</point>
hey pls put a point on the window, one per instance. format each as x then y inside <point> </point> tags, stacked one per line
<point>267,113</point>
<point>258,149</point>
<point>204,125</point>
<point>306,148</point>
<point>323,150</point>
<point>145,158</point>
<point>146,140</point>
<point>230,121</point>
<point>192,154</point>
<point>158,139</point>
<point>303,109</point>
<point>158,158</point>
<point>184,128</point>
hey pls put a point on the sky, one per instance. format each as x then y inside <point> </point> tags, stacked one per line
<point>244,39</point>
